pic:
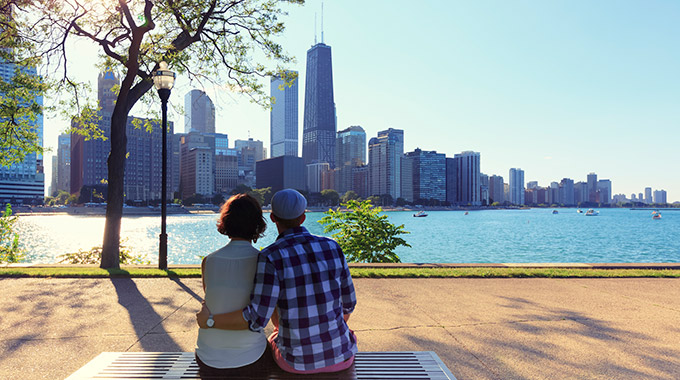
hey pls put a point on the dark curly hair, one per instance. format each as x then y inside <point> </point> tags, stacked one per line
<point>241,216</point>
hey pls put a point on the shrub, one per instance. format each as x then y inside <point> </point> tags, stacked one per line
<point>94,256</point>
<point>10,252</point>
<point>363,234</point>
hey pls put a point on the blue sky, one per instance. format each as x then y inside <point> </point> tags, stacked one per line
<point>557,88</point>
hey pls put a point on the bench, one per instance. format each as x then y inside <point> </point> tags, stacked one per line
<point>182,365</point>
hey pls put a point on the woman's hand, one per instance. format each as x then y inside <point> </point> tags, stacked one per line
<point>202,316</point>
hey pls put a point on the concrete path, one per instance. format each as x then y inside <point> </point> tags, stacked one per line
<point>481,328</point>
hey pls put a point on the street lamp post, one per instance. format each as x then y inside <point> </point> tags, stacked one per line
<point>163,80</point>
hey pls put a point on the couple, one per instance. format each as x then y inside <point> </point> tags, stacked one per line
<point>301,282</point>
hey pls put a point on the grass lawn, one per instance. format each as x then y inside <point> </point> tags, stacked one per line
<point>476,272</point>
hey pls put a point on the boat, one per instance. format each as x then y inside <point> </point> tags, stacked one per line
<point>579,211</point>
<point>555,211</point>
<point>656,215</point>
<point>466,212</point>
<point>420,214</point>
<point>592,212</point>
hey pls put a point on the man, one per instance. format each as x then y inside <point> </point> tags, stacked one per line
<point>303,284</point>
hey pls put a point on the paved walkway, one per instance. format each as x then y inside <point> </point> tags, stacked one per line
<point>481,328</point>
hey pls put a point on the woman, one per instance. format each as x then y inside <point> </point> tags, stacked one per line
<point>228,281</point>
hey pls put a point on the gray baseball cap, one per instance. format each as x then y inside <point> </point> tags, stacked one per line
<point>288,204</point>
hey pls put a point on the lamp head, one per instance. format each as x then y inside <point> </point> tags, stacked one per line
<point>163,79</point>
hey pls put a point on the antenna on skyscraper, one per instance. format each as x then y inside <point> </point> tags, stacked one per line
<point>314,28</point>
<point>322,22</point>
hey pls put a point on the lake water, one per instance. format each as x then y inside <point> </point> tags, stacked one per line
<point>489,236</point>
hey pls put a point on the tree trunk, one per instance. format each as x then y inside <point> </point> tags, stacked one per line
<point>114,201</point>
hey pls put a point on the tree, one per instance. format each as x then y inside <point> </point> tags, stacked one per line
<point>386,200</point>
<point>349,195</point>
<point>330,197</point>
<point>263,195</point>
<point>374,199</point>
<point>217,199</point>
<point>9,240</point>
<point>21,100</point>
<point>195,198</point>
<point>363,234</point>
<point>241,189</point>
<point>210,41</point>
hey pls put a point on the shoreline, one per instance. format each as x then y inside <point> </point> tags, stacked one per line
<point>199,210</point>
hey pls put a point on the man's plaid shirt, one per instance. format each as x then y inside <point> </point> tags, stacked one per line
<point>307,277</point>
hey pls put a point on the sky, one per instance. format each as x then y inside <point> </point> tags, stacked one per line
<point>559,88</point>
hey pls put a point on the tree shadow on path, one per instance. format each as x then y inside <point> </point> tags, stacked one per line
<point>143,318</point>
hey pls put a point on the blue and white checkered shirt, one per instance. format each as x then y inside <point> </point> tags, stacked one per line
<point>307,277</point>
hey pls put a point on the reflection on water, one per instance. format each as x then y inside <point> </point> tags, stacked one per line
<point>617,235</point>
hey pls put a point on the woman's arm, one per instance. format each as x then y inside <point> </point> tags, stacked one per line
<point>203,275</point>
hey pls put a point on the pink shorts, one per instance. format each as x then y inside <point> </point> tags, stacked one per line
<point>278,358</point>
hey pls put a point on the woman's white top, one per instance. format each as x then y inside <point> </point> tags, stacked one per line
<point>228,277</point>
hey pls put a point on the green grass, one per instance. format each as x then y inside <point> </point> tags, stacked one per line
<point>94,272</point>
<point>509,273</point>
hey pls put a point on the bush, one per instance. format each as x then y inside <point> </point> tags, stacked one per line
<point>9,240</point>
<point>94,256</point>
<point>364,235</point>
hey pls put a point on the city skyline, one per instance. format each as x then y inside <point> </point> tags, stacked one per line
<point>580,96</point>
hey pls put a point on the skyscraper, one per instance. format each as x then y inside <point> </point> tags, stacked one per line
<point>384,163</point>
<point>199,112</point>
<point>52,191</point>
<point>484,188</point>
<point>197,176</point>
<point>89,156</point>
<point>604,191</point>
<point>23,182</point>
<point>469,190</point>
<point>592,187</point>
<point>660,197</point>
<point>64,162</point>
<point>452,180</point>
<point>350,152</point>
<point>144,149</point>
<point>315,174</point>
<point>283,118</point>
<point>496,189</point>
<point>517,186</point>
<point>567,192</point>
<point>428,175</point>
<point>106,82</point>
<point>648,195</point>
<point>319,127</point>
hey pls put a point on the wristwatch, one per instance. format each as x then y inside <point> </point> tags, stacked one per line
<point>210,322</point>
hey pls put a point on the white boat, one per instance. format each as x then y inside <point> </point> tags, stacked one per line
<point>592,212</point>
<point>579,211</point>
<point>420,214</point>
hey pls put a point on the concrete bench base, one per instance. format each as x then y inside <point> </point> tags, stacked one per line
<point>182,365</point>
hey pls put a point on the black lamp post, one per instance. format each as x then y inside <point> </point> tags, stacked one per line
<point>163,80</point>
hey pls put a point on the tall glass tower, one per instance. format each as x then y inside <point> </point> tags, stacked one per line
<point>199,112</point>
<point>516,186</point>
<point>319,128</point>
<point>284,118</point>
<point>350,152</point>
<point>384,163</point>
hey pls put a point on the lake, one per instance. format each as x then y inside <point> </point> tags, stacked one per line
<point>487,236</point>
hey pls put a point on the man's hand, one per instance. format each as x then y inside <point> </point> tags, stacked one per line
<point>202,316</point>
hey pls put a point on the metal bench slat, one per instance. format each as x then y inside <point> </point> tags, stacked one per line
<point>400,365</point>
